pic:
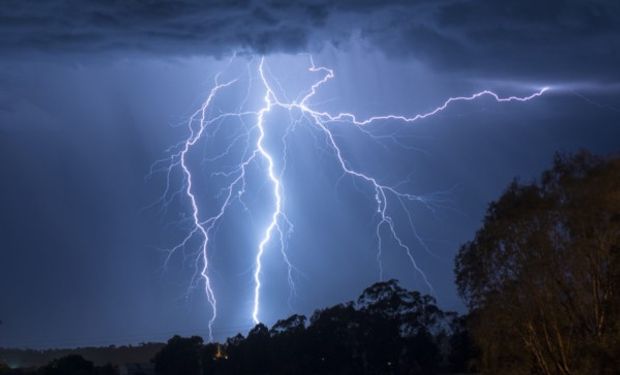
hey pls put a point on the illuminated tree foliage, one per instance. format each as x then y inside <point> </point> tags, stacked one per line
<point>542,276</point>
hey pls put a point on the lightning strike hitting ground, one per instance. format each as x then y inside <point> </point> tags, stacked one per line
<point>385,196</point>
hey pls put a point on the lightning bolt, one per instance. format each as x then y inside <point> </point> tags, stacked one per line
<point>273,225</point>
<point>201,228</point>
<point>386,197</point>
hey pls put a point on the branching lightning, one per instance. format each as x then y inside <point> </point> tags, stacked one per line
<point>385,197</point>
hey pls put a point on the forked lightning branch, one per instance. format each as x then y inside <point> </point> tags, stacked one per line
<point>384,197</point>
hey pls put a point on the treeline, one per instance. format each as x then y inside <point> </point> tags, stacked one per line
<point>112,354</point>
<point>388,330</point>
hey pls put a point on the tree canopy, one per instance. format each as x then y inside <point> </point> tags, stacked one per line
<point>388,330</point>
<point>542,275</point>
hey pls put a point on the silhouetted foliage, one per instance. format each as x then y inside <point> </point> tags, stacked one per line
<point>542,276</point>
<point>389,330</point>
<point>116,355</point>
<point>181,356</point>
<point>463,353</point>
<point>75,365</point>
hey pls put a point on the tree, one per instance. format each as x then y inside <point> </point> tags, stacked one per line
<point>108,369</point>
<point>251,355</point>
<point>214,357</point>
<point>290,353</point>
<point>257,350</point>
<point>390,330</point>
<point>293,325</point>
<point>463,353</point>
<point>397,328</point>
<point>234,350</point>
<point>542,275</point>
<point>333,340</point>
<point>69,365</point>
<point>181,356</point>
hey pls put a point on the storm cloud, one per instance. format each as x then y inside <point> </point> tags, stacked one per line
<point>560,39</point>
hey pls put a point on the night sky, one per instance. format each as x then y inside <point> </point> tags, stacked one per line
<point>93,93</point>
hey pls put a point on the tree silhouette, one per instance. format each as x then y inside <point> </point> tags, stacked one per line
<point>290,351</point>
<point>333,339</point>
<point>69,365</point>
<point>388,330</point>
<point>181,356</point>
<point>405,327</point>
<point>463,354</point>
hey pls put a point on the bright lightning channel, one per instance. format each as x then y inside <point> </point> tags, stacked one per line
<point>384,195</point>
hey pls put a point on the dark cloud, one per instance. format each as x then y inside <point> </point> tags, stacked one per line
<point>545,38</point>
<point>570,38</point>
<point>172,27</point>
